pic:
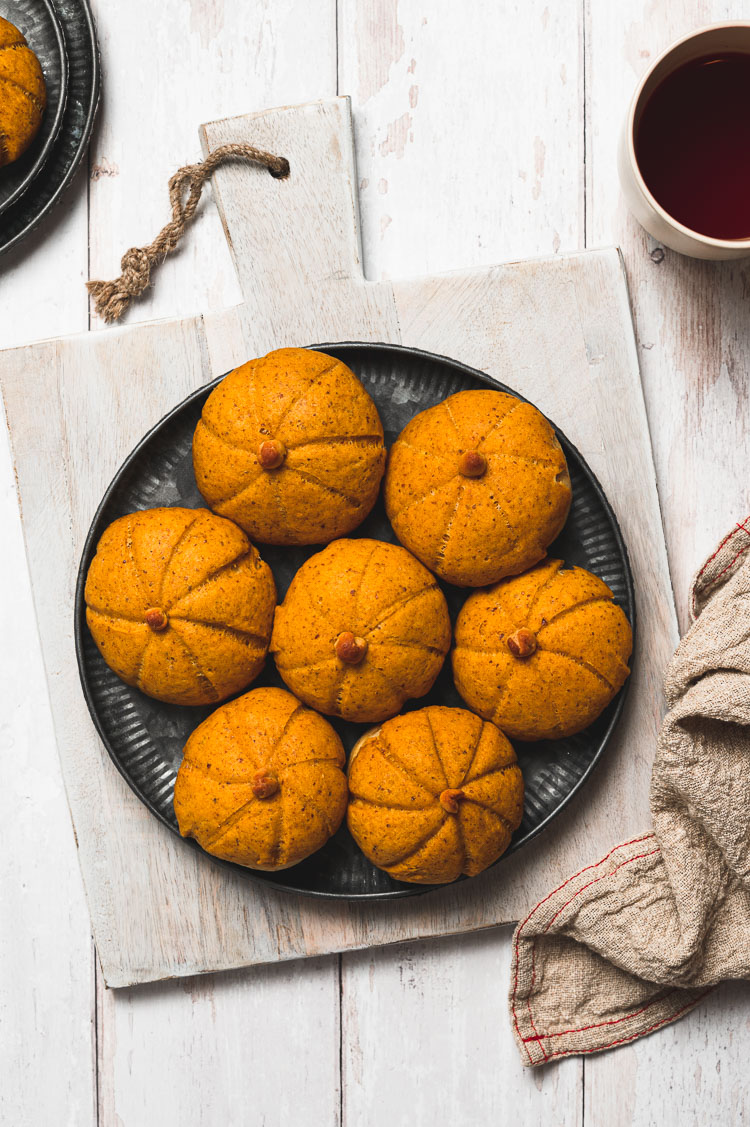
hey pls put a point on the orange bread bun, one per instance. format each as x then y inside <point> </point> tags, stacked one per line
<point>23,93</point>
<point>363,628</point>
<point>290,447</point>
<point>261,782</point>
<point>542,654</point>
<point>434,794</point>
<point>180,604</point>
<point>477,487</point>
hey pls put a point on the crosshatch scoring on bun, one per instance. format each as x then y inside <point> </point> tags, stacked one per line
<point>290,446</point>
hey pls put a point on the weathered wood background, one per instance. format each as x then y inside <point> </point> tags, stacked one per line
<point>485,132</point>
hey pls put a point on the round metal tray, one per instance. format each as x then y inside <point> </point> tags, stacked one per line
<point>65,154</point>
<point>145,738</point>
<point>38,23</point>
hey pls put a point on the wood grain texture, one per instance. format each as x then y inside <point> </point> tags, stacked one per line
<point>169,67</point>
<point>47,977</point>
<point>690,320</point>
<point>205,1050</point>
<point>41,280</point>
<point>424,1040</point>
<point>457,167</point>
<point>46,953</point>
<point>175,1045</point>
<point>257,1046</point>
<point>692,1072</point>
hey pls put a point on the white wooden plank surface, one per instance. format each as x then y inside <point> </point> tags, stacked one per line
<point>692,1072</point>
<point>443,186</point>
<point>152,1052</point>
<point>426,1041</point>
<point>469,144</point>
<point>295,242</point>
<point>168,67</point>
<point>40,280</point>
<point>47,978</point>
<point>46,952</point>
<point>691,326</point>
<point>676,1076</point>
<point>224,57</point>
<point>250,1047</point>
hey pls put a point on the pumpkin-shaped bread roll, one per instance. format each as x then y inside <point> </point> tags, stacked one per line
<point>261,781</point>
<point>542,654</point>
<point>434,794</point>
<point>290,447</point>
<point>477,487</point>
<point>180,604</point>
<point>23,94</point>
<point>363,628</point>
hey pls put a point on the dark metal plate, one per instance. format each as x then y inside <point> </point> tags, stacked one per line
<point>145,738</point>
<point>65,154</point>
<point>38,23</point>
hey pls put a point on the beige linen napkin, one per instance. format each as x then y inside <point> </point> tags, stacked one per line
<point>635,940</point>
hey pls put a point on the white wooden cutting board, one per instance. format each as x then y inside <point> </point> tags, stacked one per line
<point>557,330</point>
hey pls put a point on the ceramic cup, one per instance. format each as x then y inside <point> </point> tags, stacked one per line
<point>649,213</point>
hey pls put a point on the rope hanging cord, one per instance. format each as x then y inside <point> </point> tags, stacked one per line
<point>111,299</point>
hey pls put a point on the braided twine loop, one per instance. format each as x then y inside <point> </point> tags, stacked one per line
<point>111,299</point>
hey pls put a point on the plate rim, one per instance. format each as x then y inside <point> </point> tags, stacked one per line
<point>49,144</point>
<point>260,877</point>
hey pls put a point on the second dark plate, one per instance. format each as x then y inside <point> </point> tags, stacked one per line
<point>38,23</point>
<point>66,151</point>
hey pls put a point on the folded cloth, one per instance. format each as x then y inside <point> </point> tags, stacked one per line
<point>635,940</point>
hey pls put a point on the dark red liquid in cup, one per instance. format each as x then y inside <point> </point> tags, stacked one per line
<point>692,145</point>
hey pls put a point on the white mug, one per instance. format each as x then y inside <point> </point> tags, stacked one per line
<point>649,213</point>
